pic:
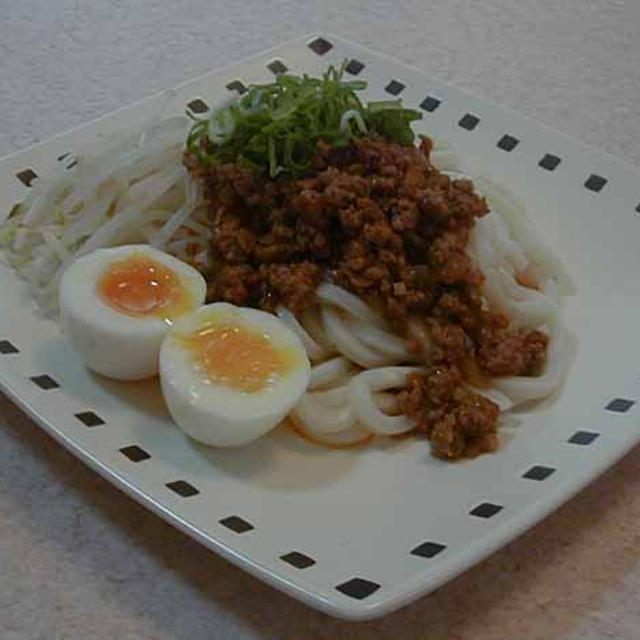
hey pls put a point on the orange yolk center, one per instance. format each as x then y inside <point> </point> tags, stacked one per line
<point>237,357</point>
<point>139,286</point>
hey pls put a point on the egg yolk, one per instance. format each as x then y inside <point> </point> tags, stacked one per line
<point>237,357</point>
<point>139,286</point>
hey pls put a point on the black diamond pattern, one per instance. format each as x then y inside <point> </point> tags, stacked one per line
<point>182,488</point>
<point>26,176</point>
<point>354,67</point>
<point>486,510</point>
<point>428,549</point>
<point>394,87</point>
<point>595,182</point>
<point>538,472</point>
<point>549,162</point>
<point>89,419</point>
<point>430,103</point>
<point>236,524</point>
<point>508,143</point>
<point>237,85</point>
<point>7,348</point>
<point>320,46</point>
<point>198,105</point>
<point>298,560</point>
<point>277,67</point>
<point>45,382</point>
<point>620,405</point>
<point>469,121</point>
<point>583,437</point>
<point>358,588</point>
<point>135,453</point>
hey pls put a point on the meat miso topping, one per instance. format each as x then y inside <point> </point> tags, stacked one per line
<point>378,219</point>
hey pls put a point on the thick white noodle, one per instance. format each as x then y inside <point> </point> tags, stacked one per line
<point>329,412</point>
<point>349,302</point>
<point>525,307</point>
<point>321,417</point>
<point>491,238</point>
<point>361,399</point>
<point>386,402</point>
<point>384,342</point>
<point>521,389</point>
<point>328,373</point>
<point>354,435</point>
<point>334,397</point>
<point>529,306</point>
<point>313,349</point>
<point>501,259</point>
<point>312,322</point>
<point>347,343</point>
<point>513,212</point>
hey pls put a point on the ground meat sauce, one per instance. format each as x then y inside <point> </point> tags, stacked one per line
<point>378,219</point>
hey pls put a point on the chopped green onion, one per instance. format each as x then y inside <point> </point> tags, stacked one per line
<point>275,128</point>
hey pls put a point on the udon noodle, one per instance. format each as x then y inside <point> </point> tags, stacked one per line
<point>359,362</point>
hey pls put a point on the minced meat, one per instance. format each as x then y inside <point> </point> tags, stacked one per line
<point>379,220</point>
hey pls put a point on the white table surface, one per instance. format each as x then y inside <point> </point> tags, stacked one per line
<point>79,560</point>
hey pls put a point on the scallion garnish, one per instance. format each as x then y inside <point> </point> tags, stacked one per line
<point>275,127</point>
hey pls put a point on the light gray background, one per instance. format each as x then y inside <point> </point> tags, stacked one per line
<point>80,561</point>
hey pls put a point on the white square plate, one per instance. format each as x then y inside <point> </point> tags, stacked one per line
<point>358,534</point>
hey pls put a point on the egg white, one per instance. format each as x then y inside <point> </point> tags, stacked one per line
<point>115,344</point>
<point>217,414</point>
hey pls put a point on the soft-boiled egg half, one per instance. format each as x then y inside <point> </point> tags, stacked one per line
<point>230,374</point>
<point>116,305</point>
